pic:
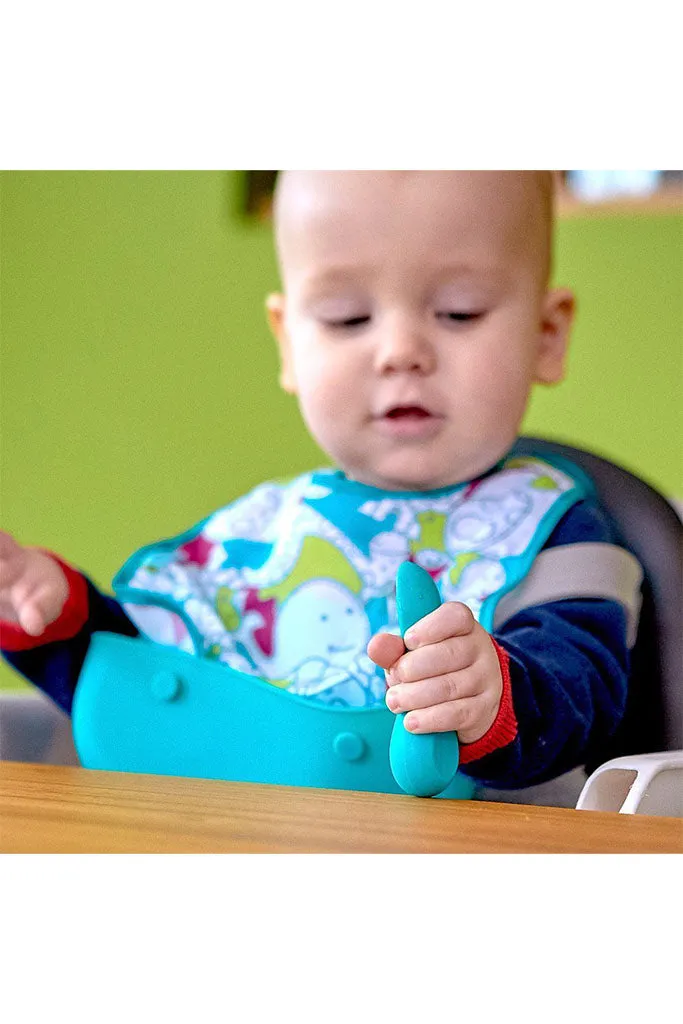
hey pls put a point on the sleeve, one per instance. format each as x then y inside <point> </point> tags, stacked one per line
<point>565,671</point>
<point>53,661</point>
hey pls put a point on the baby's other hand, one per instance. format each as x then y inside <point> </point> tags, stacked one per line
<point>33,588</point>
<point>449,678</point>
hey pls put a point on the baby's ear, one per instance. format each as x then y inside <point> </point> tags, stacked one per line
<point>557,317</point>
<point>275,311</point>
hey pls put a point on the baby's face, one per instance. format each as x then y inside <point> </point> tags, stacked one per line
<point>415,317</point>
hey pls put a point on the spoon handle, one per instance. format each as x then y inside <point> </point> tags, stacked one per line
<point>425,764</point>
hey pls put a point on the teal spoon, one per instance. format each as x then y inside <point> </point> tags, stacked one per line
<point>422,765</point>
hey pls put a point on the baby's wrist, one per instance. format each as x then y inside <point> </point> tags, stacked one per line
<point>483,727</point>
<point>504,727</point>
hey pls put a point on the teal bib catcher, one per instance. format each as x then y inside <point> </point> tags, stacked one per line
<point>261,614</point>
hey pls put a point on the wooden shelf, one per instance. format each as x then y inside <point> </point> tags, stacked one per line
<point>666,200</point>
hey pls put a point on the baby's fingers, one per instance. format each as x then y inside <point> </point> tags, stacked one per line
<point>449,620</point>
<point>454,716</point>
<point>446,658</point>
<point>33,618</point>
<point>453,686</point>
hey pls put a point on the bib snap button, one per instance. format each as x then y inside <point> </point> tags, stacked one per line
<point>349,746</point>
<point>166,686</point>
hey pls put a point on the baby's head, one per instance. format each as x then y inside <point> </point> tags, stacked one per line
<point>416,316</point>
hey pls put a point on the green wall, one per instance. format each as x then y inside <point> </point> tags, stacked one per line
<point>138,382</point>
<point>623,395</point>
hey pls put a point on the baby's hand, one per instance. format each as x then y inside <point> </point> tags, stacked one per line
<point>449,679</point>
<point>33,588</point>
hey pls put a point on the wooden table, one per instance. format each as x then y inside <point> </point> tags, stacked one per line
<point>46,809</point>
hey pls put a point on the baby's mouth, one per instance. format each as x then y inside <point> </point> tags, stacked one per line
<point>407,412</point>
<point>409,422</point>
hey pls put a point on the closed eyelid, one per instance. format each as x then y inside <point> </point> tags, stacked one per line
<point>340,308</point>
<point>459,315</point>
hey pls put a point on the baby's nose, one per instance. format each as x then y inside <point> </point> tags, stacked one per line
<point>402,348</point>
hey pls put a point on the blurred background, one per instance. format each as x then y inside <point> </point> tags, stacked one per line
<point>138,380</point>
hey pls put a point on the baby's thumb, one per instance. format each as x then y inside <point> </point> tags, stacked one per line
<point>385,649</point>
<point>40,609</point>
<point>32,618</point>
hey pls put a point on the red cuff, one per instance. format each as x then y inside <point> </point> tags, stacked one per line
<point>72,618</point>
<point>504,728</point>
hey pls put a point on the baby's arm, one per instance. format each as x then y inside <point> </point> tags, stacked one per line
<point>558,679</point>
<point>48,612</point>
<point>568,666</point>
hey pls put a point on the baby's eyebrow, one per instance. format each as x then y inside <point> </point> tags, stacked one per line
<point>468,272</point>
<point>317,286</point>
<point>337,274</point>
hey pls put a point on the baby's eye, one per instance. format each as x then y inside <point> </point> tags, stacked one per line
<point>455,316</point>
<point>348,322</point>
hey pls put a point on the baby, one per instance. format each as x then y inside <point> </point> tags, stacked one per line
<point>415,317</point>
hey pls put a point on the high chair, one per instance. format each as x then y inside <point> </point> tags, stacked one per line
<point>641,769</point>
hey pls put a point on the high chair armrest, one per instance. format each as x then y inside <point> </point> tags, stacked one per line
<point>638,784</point>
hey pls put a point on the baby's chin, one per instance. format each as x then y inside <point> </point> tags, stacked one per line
<point>423,471</point>
<point>409,478</point>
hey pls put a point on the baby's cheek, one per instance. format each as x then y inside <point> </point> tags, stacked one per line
<point>326,400</point>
